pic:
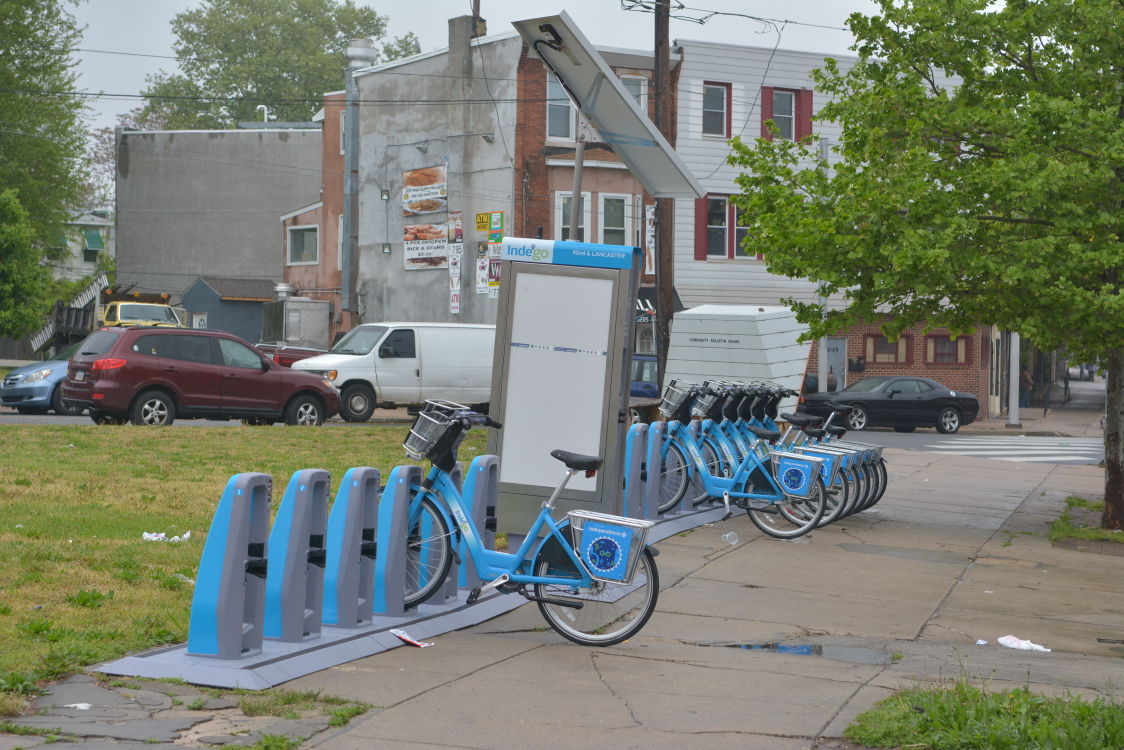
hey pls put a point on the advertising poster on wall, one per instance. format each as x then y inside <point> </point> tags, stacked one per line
<point>425,246</point>
<point>424,191</point>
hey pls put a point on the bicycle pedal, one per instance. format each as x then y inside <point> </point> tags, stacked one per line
<point>473,597</point>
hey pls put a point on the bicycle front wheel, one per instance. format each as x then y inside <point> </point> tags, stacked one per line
<point>429,553</point>
<point>604,613</point>
<point>789,517</point>
<point>673,478</point>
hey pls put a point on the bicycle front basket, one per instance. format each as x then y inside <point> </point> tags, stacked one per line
<point>674,395</point>
<point>610,546</point>
<point>704,402</point>
<point>796,474</point>
<point>429,426</point>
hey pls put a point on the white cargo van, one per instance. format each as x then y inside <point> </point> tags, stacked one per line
<point>404,364</point>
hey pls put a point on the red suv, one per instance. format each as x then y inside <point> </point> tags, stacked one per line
<point>152,375</point>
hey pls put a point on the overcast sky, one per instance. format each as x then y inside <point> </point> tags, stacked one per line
<point>133,38</point>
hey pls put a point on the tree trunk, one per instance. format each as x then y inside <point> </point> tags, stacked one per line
<point>1113,517</point>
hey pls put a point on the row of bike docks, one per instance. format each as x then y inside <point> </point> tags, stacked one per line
<point>722,443</point>
<point>323,581</point>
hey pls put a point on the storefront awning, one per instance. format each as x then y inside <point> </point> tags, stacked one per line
<point>93,239</point>
<point>647,302</point>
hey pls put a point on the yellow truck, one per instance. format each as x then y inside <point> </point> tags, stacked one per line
<point>129,308</point>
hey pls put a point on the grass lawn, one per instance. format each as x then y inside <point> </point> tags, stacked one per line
<point>78,584</point>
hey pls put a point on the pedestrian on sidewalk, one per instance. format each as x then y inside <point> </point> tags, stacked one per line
<point>1026,382</point>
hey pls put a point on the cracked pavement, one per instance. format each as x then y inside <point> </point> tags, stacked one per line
<point>955,553</point>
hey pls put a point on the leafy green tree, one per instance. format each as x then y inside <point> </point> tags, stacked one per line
<point>23,279</point>
<point>991,198</point>
<point>238,54</point>
<point>42,132</point>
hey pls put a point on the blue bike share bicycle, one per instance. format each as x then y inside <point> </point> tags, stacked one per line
<point>592,575</point>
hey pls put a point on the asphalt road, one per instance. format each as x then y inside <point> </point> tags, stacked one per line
<point>1022,448</point>
<point>1066,450</point>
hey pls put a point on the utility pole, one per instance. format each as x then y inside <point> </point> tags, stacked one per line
<point>665,207</point>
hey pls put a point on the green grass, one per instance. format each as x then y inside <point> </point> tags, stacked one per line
<point>964,717</point>
<point>1065,527</point>
<point>78,584</point>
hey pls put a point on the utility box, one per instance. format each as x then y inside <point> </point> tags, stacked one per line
<point>296,321</point>
<point>745,343</point>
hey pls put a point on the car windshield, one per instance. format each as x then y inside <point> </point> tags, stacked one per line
<point>360,340</point>
<point>158,313</point>
<point>644,370</point>
<point>866,385</point>
<point>68,351</point>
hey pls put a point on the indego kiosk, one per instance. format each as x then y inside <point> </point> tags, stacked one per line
<point>560,377</point>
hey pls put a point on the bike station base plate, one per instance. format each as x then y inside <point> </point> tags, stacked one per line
<point>279,662</point>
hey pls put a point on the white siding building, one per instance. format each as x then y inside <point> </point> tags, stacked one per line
<point>728,91</point>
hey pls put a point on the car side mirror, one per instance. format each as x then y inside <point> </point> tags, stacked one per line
<point>894,391</point>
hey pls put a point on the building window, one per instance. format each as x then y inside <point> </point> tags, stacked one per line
<point>343,131</point>
<point>559,111</point>
<point>716,109</point>
<point>944,350</point>
<point>199,320</point>
<point>304,246</point>
<point>562,216</point>
<point>789,109</point>
<point>715,215</point>
<point>637,86</point>
<point>92,244</point>
<point>881,349</point>
<point>784,112</point>
<point>616,219</point>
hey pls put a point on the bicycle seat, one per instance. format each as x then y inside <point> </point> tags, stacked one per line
<point>577,461</point>
<point>836,430</point>
<point>814,432</point>
<point>768,435</point>
<point>802,420</point>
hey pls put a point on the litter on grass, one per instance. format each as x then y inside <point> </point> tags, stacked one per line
<point>160,536</point>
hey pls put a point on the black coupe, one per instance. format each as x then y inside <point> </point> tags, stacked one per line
<point>901,402</point>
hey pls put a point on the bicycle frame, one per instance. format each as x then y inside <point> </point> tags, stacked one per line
<point>716,486</point>
<point>491,565</point>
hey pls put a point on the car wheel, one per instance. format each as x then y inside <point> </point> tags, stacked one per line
<point>911,428</point>
<point>61,407</point>
<point>858,418</point>
<point>357,403</point>
<point>98,418</point>
<point>153,408</point>
<point>949,420</point>
<point>304,411</point>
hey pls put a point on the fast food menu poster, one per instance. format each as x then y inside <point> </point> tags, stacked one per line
<point>424,191</point>
<point>425,246</point>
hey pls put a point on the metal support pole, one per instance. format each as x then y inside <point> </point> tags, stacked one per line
<point>576,195</point>
<point>1013,385</point>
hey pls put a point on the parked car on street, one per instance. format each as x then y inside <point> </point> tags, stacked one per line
<point>35,388</point>
<point>150,376</point>
<point>904,403</point>
<point>644,380</point>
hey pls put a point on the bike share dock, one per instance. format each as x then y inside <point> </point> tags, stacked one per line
<point>272,605</point>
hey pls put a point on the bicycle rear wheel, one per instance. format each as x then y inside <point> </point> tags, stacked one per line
<point>609,613</point>
<point>429,553</point>
<point>790,517</point>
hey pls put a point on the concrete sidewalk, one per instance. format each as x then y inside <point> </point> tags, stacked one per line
<point>762,644</point>
<point>1079,416</point>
